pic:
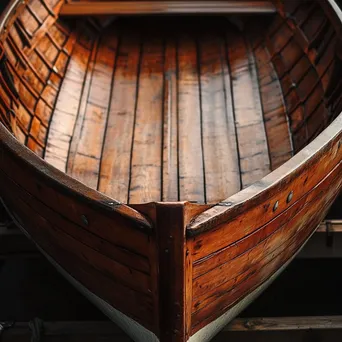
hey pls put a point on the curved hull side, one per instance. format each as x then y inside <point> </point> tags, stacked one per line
<point>224,276</point>
<point>133,329</point>
<point>213,328</point>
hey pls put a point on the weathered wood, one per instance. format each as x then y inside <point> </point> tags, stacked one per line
<point>219,145</point>
<point>253,154</point>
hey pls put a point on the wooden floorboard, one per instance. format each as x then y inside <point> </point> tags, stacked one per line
<point>146,163</point>
<point>251,136</point>
<point>87,159</point>
<point>218,148</point>
<point>162,116</point>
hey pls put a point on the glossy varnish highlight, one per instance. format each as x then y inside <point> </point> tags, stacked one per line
<point>161,112</point>
<point>145,114</point>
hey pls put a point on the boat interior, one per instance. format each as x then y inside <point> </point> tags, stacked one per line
<point>168,108</point>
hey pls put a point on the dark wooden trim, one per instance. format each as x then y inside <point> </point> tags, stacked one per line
<point>246,328</point>
<point>166,7</point>
<point>174,263</point>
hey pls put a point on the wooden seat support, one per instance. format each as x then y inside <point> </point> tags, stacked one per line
<point>165,7</point>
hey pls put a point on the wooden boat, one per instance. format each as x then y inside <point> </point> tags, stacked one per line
<point>169,164</point>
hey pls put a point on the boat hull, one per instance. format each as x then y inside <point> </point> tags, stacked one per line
<point>179,269</point>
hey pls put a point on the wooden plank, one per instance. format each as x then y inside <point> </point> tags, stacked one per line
<point>64,116</point>
<point>242,329</point>
<point>285,323</point>
<point>299,182</point>
<point>191,168</point>
<point>253,153</point>
<point>325,243</point>
<point>108,331</point>
<point>88,153</point>
<point>145,167</point>
<point>259,275</point>
<point>174,263</point>
<point>90,240</point>
<point>275,115</point>
<point>133,303</point>
<point>216,271</point>
<point>90,210</point>
<point>115,163</point>
<point>114,268</point>
<point>170,191</point>
<point>82,105</point>
<point>219,141</point>
<point>166,7</point>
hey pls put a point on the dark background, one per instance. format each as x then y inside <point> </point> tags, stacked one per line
<point>30,287</point>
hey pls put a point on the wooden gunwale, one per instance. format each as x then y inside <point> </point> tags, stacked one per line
<point>215,285</point>
<point>323,152</point>
<point>261,192</point>
<point>268,188</point>
<point>56,178</point>
<point>269,230</point>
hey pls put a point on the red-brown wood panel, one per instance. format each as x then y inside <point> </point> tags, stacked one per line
<point>145,165</point>
<point>219,288</point>
<point>115,163</point>
<point>88,153</point>
<point>191,165</point>
<point>61,127</point>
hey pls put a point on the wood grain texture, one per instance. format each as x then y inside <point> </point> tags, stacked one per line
<point>174,289</point>
<point>115,163</point>
<point>146,163</point>
<point>212,291</point>
<point>162,115</point>
<point>151,110</point>
<point>253,153</point>
<point>165,7</point>
<point>86,166</point>
<point>219,145</point>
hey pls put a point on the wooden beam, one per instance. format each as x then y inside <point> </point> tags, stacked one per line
<point>334,226</point>
<point>107,331</point>
<point>285,323</point>
<point>325,243</point>
<point>166,7</point>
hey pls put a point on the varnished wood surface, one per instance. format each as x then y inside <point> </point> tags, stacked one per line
<point>143,113</point>
<point>165,7</point>
<point>161,109</point>
<point>147,115</point>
